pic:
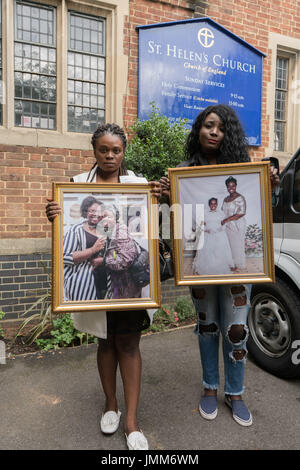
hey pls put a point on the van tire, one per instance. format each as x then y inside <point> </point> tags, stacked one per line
<point>274,316</point>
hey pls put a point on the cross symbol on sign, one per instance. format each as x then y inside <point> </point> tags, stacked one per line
<point>206,37</point>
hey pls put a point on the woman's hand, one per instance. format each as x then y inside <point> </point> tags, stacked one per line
<point>274,177</point>
<point>156,189</point>
<point>166,187</point>
<point>232,218</point>
<point>98,245</point>
<point>52,210</point>
<point>95,262</point>
<point>84,255</point>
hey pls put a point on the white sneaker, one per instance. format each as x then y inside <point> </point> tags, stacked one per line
<point>110,422</point>
<point>137,441</point>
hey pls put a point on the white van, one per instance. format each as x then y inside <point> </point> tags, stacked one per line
<point>274,317</point>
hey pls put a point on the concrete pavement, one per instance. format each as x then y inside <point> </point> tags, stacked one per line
<point>53,401</point>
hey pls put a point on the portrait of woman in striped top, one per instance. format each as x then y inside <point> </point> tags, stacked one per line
<point>83,253</point>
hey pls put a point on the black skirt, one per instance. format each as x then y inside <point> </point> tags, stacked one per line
<point>125,322</point>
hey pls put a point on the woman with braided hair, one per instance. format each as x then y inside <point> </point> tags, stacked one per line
<point>118,332</point>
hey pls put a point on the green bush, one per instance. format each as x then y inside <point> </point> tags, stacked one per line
<point>185,308</point>
<point>163,318</point>
<point>171,317</point>
<point>1,329</point>
<point>156,145</point>
<point>64,334</point>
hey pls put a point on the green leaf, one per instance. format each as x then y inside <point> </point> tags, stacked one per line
<point>156,145</point>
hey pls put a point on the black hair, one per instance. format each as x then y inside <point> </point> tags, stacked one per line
<point>212,199</point>
<point>234,146</point>
<point>112,129</point>
<point>86,203</point>
<point>231,179</point>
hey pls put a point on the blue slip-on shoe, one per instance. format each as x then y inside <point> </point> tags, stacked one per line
<point>208,407</point>
<point>240,412</point>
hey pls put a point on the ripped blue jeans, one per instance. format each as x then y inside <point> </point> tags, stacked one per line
<point>219,308</point>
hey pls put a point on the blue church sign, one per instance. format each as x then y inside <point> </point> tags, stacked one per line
<point>188,65</point>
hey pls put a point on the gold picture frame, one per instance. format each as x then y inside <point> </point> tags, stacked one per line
<point>200,248</point>
<point>76,287</point>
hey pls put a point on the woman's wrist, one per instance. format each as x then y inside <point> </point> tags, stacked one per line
<point>91,252</point>
<point>81,256</point>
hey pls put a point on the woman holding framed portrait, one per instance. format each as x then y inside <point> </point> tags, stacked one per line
<point>217,138</point>
<point>119,332</point>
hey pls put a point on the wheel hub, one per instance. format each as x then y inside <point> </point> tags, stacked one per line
<point>269,325</point>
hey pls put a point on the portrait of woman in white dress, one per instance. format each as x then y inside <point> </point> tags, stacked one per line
<point>234,208</point>
<point>213,255</point>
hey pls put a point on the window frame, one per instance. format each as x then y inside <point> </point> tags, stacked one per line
<point>286,47</point>
<point>286,91</point>
<point>40,45</point>
<point>75,51</point>
<point>115,13</point>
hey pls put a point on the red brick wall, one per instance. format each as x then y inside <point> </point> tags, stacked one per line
<point>252,20</point>
<point>26,174</point>
<point>146,12</point>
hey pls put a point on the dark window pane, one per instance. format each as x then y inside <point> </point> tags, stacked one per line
<point>86,74</point>
<point>281,94</point>
<point>71,98</point>
<point>35,25</point>
<point>279,136</point>
<point>100,102</point>
<point>52,110</point>
<point>18,63</point>
<point>35,108</point>
<point>86,100</point>
<point>71,86</point>
<point>86,39</point>
<point>101,77</point>
<point>94,101</point>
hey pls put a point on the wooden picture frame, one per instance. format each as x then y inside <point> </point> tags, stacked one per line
<point>200,234</point>
<point>77,286</point>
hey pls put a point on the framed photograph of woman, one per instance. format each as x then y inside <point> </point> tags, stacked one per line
<point>222,224</point>
<point>105,248</point>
